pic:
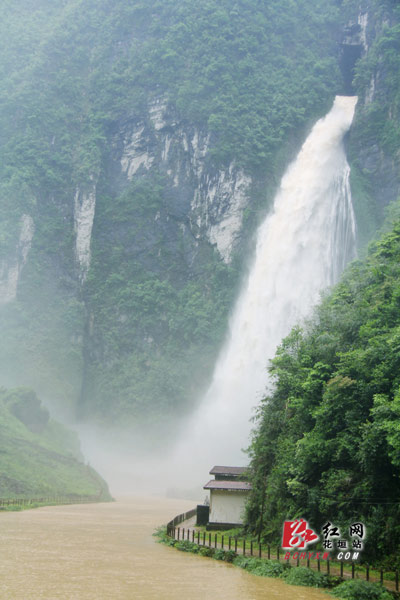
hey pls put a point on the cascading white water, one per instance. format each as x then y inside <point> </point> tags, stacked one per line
<point>302,247</point>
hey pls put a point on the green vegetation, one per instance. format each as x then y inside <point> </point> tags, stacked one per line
<point>158,333</point>
<point>272,568</point>
<point>326,446</point>
<point>39,457</point>
<point>261,567</point>
<point>138,340</point>
<point>307,577</point>
<point>361,590</point>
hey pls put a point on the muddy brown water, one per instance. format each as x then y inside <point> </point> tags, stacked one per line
<point>107,552</point>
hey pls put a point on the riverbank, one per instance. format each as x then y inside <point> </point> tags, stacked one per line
<point>212,547</point>
<point>17,504</point>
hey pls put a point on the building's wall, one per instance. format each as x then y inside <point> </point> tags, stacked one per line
<point>227,507</point>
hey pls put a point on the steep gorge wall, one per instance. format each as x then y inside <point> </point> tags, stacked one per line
<point>167,227</point>
<point>374,143</point>
<point>130,200</point>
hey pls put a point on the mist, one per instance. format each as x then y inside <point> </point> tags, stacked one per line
<point>134,174</point>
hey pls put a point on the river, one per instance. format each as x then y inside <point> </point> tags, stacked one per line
<point>107,552</point>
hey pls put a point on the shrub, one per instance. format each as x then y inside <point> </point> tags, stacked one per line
<point>186,546</point>
<point>269,568</point>
<point>332,580</point>
<point>204,551</point>
<point>245,562</point>
<point>304,576</point>
<point>355,589</point>
<point>219,554</point>
<point>230,555</point>
<point>261,567</point>
<point>163,538</point>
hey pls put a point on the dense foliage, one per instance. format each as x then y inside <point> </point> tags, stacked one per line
<point>361,590</point>
<point>142,333</point>
<point>327,442</point>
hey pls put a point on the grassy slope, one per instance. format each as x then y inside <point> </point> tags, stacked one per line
<point>42,458</point>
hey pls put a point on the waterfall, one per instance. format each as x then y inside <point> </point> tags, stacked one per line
<point>302,247</point>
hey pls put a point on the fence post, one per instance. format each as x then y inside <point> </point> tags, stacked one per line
<point>198,538</point>
<point>367,573</point>
<point>209,540</point>
<point>204,538</point>
<point>215,540</point>
<point>222,542</point>
<point>328,567</point>
<point>397,581</point>
<point>319,565</point>
<point>269,552</point>
<point>229,542</point>
<point>259,550</point>
<point>341,569</point>
<point>298,560</point>
<point>188,534</point>
<point>381,576</point>
<point>235,543</point>
<point>277,553</point>
<point>352,570</point>
<point>308,561</point>
<point>251,548</point>
<point>193,533</point>
<point>244,547</point>
<point>179,531</point>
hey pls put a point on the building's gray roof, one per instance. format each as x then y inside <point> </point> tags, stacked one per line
<point>235,471</point>
<point>235,486</point>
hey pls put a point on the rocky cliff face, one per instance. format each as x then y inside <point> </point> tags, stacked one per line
<point>133,177</point>
<point>175,221</point>
<point>374,139</point>
<point>142,252</point>
<point>209,202</point>
<point>11,266</point>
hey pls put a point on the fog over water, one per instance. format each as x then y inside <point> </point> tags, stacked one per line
<point>302,247</point>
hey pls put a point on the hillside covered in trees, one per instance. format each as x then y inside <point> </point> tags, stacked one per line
<point>327,443</point>
<point>141,144</point>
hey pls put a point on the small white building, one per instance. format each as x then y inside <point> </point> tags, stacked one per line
<point>228,495</point>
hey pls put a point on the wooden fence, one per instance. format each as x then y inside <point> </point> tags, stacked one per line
<point>179,519</point>
<point>343,569</point>
<point>48,500</point>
